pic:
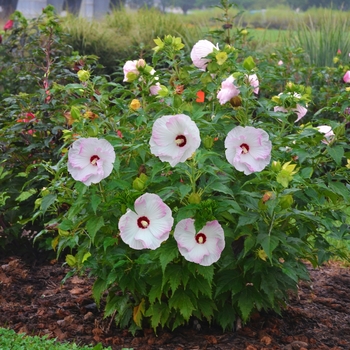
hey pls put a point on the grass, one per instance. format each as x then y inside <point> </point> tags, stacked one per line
<point>9,340</point>
<point>322,35</point>
<point>126,35</point>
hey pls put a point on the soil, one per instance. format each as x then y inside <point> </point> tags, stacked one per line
<point>34,301</point>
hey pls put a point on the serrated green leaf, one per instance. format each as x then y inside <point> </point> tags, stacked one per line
<point>206,271</point>
<point>98,288</point>
<point>159,314</point>
<point>174,276</point>
<point>249,244</point>
<point>93,225</point>
<point>182,302</point>
<point>246,302</point>
<point>155,292</point>
<point>167,253</point>
<point>95,201</point>
<point>138,312</point>
<point>268,243</point>
<point>199,284</point>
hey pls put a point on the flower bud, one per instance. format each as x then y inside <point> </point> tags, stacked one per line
<point>135,104</point>
<point>138,184</point>
<point>141,63</point>
<point>194,198</point>
<point>276,166</point>
<point>236,101</point>
<point>83,75</point>
<point>244,32</point>
<point>208,142</point>
<point>286,201</point>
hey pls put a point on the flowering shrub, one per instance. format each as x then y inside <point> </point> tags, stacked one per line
<point>187,206</point>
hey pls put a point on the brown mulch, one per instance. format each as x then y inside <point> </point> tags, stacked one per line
<point>33,301</point>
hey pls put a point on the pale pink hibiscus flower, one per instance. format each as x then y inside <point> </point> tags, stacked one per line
<point>248,149</point>
<point>299,109</point>
<point>254,82</point>
<point>174,138</point>
<point>228,90</point>
<point>90,160</point>
<point>202,248</point>
<point>328,133</point>
<point>154,89</point>
<point>131,69</point>
<point>201,50</point>
<point>149,225</point>
<point>346,77</point>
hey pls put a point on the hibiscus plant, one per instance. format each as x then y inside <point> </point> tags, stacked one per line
<point>197,186</point>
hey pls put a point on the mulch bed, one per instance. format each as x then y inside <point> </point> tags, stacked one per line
<point>33,301</point>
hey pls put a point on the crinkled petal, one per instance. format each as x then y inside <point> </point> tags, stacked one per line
<point>129,229</point>
<point>163,140</point>
<point>160,223</point>
<point>200,50</point>
<point>79,160</point>
<point>206,253</point>
<point>184,235</point>
<point>259,149</point>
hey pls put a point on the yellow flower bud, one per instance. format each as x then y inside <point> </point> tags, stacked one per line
<point>83,75</point>
<point>135,104</point>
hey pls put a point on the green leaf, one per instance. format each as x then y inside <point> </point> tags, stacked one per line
<point>181,301</point>
<point>176,277</point>
<point>25,195</point>
<point>159,313</point>
<point>337,153</point>
<point>86,256</point>
<point>66,225</point>
<point>98,288</point>
<point>155,292</point>
<point>249,219</point>
<point>220,187</point>
<point>268,243</point>
<point>168,252</point>
<point>246,302</point>
<point>93,225</point>
<point>138,312</point>
<point>95,201</point>
<point>340,189</point>
<point>47,202</point>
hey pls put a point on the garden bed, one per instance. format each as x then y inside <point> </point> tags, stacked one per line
<point>33,300</point>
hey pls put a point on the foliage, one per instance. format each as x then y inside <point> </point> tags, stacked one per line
<point>10,340</point>
<point>273,218</point>
<point>34,60</point>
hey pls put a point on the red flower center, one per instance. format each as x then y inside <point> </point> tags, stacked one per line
<point>201,238</point>
<point>245,148</point>
<point>143,222</point>
<point>94,159</point>
<point>180,140</point>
